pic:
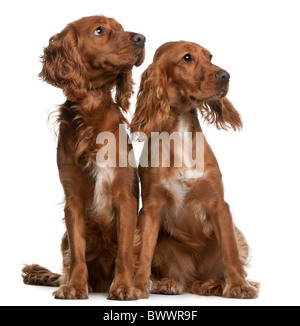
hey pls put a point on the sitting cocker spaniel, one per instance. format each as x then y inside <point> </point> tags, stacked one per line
<point>189,241</point>
<point>87,60</point>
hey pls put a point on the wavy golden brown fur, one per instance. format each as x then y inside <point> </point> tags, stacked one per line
<point>189,241</point>
<point>87,60</point>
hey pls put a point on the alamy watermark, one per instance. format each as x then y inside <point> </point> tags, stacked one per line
<point>179,149</point>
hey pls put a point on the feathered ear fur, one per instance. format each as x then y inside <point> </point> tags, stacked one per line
<point>62,65</point>
<point>222,114</point>
<point>152,108</point>
<point>124,90</point>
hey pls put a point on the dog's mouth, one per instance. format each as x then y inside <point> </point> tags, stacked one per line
<point>217,96</point>
<point>140,57</point>
<point>136,60</point>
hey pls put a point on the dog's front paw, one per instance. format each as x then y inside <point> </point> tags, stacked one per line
<point>71,292</point>
<point>167,286</point>
<point>125,293</point>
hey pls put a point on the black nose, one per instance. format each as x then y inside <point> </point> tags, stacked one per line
<point>138,39</point>
<point>222,76</point>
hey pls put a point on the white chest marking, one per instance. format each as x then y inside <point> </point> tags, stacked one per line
<point>103,179</point>
<point>178,188</point>
<point>178,184</point>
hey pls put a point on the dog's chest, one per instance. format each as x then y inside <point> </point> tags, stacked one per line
<point>102,201</point>
<point>183,211</point>
<point>181,186</point>
<point>178,189</point>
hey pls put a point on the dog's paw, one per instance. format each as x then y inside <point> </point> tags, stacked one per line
<point>208,287</point>
<point>71,292</point>
<point>167,286</point>
<point>249,290</point>
<point>125,293</point>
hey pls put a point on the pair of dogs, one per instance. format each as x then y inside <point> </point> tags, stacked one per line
<point>183,238</point>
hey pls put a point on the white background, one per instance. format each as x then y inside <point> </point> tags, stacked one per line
<point>257,42</point>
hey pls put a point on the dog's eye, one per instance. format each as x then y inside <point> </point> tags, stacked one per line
<point>188,58</point>
<point>99,31</point>
<point>210,57</point>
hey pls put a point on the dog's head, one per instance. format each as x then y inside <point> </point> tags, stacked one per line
<point>183,77</point>
<point>92,53</point>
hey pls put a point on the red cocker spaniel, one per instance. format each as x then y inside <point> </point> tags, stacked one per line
<point>87,60</point>
<point>189,241</point>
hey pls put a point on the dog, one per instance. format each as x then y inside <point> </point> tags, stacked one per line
<point>89,59</point>
<point>189,241</point>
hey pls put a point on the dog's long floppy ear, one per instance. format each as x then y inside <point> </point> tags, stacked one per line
<point>62,65</point>
<point>222,114</point>
<point>124,90</point>
<point>152,108</point>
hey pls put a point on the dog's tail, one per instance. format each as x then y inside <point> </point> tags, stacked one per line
<point>38,275</point>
